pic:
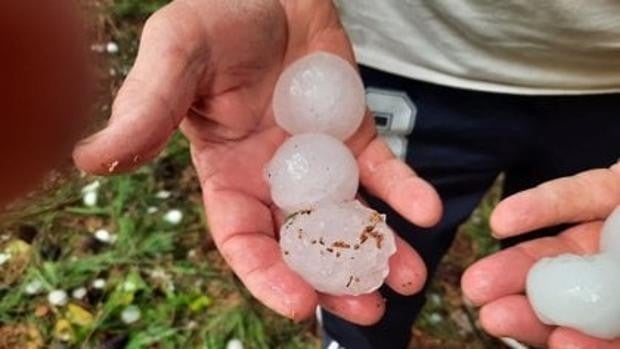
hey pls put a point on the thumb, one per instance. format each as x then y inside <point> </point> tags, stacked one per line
<point>155,96</point>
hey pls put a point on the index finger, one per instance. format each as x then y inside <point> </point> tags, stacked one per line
<point>587,196</point>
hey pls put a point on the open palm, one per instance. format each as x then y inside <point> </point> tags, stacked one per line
<point>497,283</point>
<point>210,67</point>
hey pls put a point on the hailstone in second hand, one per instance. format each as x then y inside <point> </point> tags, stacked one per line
<point>340,249</point>
<point>312,169</point>
<point>321,93</point>
<point>577,292</point>
<point>581,292</point>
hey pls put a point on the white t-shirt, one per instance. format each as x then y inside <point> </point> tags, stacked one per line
<point>509,46</point>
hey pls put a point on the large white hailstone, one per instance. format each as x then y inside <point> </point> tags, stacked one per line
<point>312,169</point>
<point>577,292</point>
<point>610,235</point>
<point>340,249</point>
<point>320,93</point>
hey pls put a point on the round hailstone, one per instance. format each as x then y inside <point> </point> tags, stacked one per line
<point>131,314</point>
<point>610,235</point>
<point>57,298</point>
<point>577,292</point>
<point>99,284</point>
<point>312,169</point>
<point>320,93</point>
<point>90,198</point>
<point>173,217</point>
<point>340,249</point>
<point>103,235</point>
<point>234,344</point>
<point>112,47</point>
<point>79,293</point>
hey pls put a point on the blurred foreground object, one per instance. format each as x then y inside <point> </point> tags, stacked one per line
<point>43,90</point>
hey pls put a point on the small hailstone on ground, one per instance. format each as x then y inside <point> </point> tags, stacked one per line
<point>152,210</point>
<point>435,318</point>
<point>57,298</point>
<point>33,287</point>
<point>79,293</point>
<point>340,249</point>
<point>90,193</point>
<point>163,194</point>
<point>173,217</point>
<point>435,298</point>
<point>99,284</point>
<point>312,169</point>
<point>90,199</point>
<point>234,344</point>
<point>4,257</point>
<point>111,47</point>
<point>320,93</point>
<point>131,314</point>
<point>105,236</point>
<point>129,286</point>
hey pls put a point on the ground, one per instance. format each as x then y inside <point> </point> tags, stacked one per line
<point>166,269</point>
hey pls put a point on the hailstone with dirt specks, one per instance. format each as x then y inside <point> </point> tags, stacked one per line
<point>310,170</point>
<point>320,93</point>
<point>340,249</point>
<point>581,292</point>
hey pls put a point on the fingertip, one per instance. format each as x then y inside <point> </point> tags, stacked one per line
<point>487,280</point>
<point>513,317</point>
<point>427,208</point>
<point>115,150</point>
<point>475,285</point>
<point>563,338</point>
<point>407,270</point>
<point>301,305</point>
<point>364,310</point>
<point>511,216</point>
<point>283,291</point>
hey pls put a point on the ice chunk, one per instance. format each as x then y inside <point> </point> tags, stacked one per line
<point>312,169</point>
<point>610,235</point>
<point>577,292</point>
<point>340,249</point>
<point>320,93</point>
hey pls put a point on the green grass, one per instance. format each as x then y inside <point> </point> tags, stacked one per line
<point>187,298</point>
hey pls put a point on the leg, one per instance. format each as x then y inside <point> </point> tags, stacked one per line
<point>573,134</point>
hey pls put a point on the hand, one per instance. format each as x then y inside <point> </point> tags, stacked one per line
<point>497,282</point>
<point>224,57</point>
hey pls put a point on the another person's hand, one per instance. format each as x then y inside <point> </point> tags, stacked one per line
<point>497,282</point>
<point>210,67</point>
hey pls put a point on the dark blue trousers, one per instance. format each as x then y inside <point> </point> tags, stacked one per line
<point>461,142</point>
